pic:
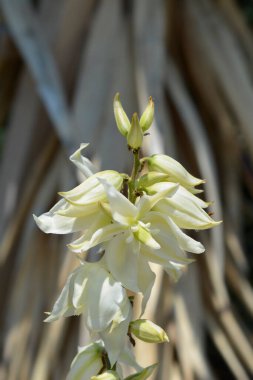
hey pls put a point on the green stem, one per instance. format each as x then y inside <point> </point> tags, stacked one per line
<point>135,170</point>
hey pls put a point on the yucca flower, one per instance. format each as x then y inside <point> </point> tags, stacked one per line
<point>126,223</point>
<point>92,291</point>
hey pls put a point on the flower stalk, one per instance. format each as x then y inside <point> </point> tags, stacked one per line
<point>127,223</point>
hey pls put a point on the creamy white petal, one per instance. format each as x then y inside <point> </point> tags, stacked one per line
<point>122,262</point>
<point>115,339</point>
<point>129,267</point>
<point>185,242</point>
<point>176,171</point>
<point>91,190</point>
<point>123,211</point>
<point>52,222</point>
<point>90,238</point>
<point>105,298</point>
<point>63,307</point>
<point>82,163</point>
<point>185,212</point>
<point>181,192</point>
<point>146,202</point>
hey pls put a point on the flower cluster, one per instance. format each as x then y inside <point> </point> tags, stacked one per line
<point>127,222</point>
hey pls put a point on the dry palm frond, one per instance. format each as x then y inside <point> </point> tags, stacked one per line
<point>61,63</point>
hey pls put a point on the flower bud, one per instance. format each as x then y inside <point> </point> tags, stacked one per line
<point>121,118</point>
<point>135,135</point>
<point>142,375</point>
<point>148,331</point>
<point>87,363</point>
<point>151,178</point>
<point>108,375</point>
<point>148,116</point>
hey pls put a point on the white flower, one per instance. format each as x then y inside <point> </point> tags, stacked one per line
<point>176,171</point>
<point>90,289</point>
<point>81,206</point>
<point>128,229</point>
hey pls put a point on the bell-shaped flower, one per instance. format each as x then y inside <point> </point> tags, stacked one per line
<point>184,208</point>
<point>148,331</point>
<point>81,207</point>
<point>87,363</point>
<point>91,290</point>
<point>176,172</point>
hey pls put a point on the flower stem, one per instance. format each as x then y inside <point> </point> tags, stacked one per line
<point>135,170</point>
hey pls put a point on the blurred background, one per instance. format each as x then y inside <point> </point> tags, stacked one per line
<point>61,62</point>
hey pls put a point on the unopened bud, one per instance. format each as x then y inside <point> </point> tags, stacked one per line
<point>88,362</point>
<point>148,116</point>
<point>148,331</point>
<point>135,135</point>
<point>121,118</point>
<point>108,375</point>
<point>142,375</point>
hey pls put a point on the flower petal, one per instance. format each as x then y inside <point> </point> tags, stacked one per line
<point>91,190</point>
<point>90,238</point>
<point>52,222</point>
<point>106,298</point>
<point>82,163</point>
<point>114,340</point>
<point>123,211</point>
<point>185,211</point>
<point>147,202</point>
<point>185,242</point>
<point>176,172</point>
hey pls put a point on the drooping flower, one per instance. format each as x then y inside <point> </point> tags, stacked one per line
<point>91,290</point>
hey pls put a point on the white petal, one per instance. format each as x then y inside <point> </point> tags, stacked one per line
<point>90,238</point>
<point>146,202</point>
<point>82,163</point>
<point>105,298</point>
<point>63,307</point>
<point>123,211</point>
<point>114,340</point>
<point>185,242</point>
<point>52,222</point>
<point>176,172</point>
<point>122,262</point>
<point>129,267</point>
<point>91,190</point>
<point>185,211</point>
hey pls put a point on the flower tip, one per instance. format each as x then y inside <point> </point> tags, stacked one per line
<point>117,97</point>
